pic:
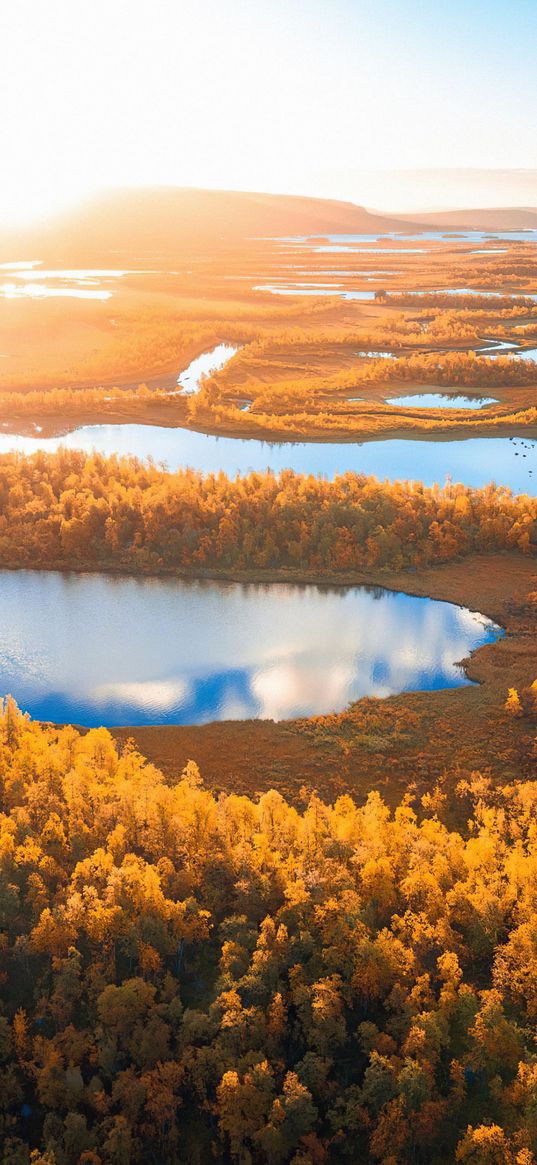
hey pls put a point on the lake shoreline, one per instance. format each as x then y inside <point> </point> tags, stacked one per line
<point>213,650</point>
<point>337,755</point>
<point>418,581</point>
<point>157,415</point>
<point>252,755</point>
<point>433,581</point>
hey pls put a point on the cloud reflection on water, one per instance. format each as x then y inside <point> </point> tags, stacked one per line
<point>94,650</point>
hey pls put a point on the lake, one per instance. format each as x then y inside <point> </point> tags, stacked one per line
<point>92,649</point>
<point>211,361</point>
<point>499,294</point>
<point>446,236</point>
<point>335,290</point>
<point>302,289</point>
<point>440,400</point>
<point>29,279</point>
<point>475,461</point>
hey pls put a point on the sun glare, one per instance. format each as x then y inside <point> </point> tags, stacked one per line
<point>295,97</point>
<point>268,506</point>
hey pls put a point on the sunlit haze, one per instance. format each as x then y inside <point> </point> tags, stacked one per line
<point>345,99</point>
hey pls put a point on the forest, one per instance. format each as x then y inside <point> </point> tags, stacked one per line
<point>326,954</point>
<point>68,510</point>
<point>268,582</point>
<point>190,978</point>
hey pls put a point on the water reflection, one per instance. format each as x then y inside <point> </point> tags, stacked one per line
<point>475,461</point>
<point>371,354</point>
<point>45,291</point>
<point>498,294</point>
<point>302,289</point>
<point>212,361</point>
<point>528,234</point>
<point>100,650</point>
<point>341,248</point>
<point>439,400</point>
<point>29,279</point>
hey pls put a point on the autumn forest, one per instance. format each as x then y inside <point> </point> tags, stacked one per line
<point>293,444</point>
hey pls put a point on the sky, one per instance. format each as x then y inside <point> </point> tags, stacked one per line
<point>377,101</point>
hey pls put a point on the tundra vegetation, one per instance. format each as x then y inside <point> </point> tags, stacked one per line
<point>328,953</point>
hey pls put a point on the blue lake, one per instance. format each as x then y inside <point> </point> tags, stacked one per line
<point>448,236</point>
<point>475,461</point>
<point>160,651</point>
<point>374,243</point>
<point>439,400</point>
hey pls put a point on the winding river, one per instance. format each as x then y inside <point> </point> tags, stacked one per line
<point>476,461</point>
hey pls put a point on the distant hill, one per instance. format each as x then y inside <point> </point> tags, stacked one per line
<point>134,224</point>
<point>490,218</point>
<point>127,227</point>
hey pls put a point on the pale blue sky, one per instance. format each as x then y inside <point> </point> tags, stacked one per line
<point>284,95</point>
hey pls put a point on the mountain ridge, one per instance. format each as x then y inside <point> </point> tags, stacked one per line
<point>174,219</point>
<point>134,225</point>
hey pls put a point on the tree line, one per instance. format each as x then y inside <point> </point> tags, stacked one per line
<point>188,977</point>
<point>68,509</point>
